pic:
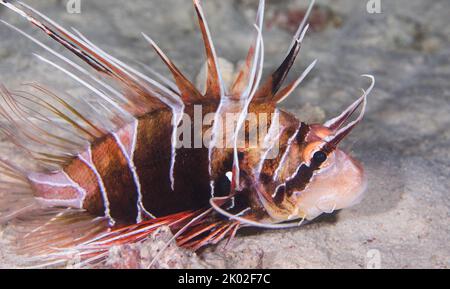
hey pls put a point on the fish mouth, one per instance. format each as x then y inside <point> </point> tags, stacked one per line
<point>360,171</point>
<point>339,186</point>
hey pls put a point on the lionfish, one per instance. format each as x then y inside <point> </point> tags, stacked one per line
<point>112,173</point>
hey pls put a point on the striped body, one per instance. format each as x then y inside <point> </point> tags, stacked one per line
<point>126,174</point>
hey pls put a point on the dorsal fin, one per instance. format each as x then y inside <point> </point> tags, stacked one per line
<point>243,76</point>
<point>189,92</point>
<point>137,94</point>
<point>47,127</point>
<point>273,84</point>
<point>270,90</point>
<point>214,83</point>
<point>141,95</point>
<point>285,92</point>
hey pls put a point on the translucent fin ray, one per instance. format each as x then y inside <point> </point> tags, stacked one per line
<point>214,83</point>
<point>133,90</point>
<point>243,76</point>
<point>189,93</point>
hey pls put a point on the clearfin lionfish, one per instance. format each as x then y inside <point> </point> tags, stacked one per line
<point>113,172</point>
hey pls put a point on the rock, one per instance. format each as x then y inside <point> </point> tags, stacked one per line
<point>158,251</point>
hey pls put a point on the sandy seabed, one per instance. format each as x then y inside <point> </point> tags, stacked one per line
<point>404,141</point>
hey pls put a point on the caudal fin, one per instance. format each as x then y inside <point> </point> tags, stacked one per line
<point>16,196</point>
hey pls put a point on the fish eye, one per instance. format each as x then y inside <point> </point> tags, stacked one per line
<point>319,157</point>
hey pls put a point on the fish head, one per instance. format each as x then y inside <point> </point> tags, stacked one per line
<point>326,178</point>
<point>337,180</point>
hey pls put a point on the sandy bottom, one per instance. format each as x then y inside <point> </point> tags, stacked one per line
<point>403,221</point>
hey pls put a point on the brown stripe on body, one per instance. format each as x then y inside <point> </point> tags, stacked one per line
<point>294,166</point>
<point>80,173</point>
<point>294,156</point>
<point>271,165</point>
<point>152,158</point>
<point>302,177</point>
<point>114,170</point>
<point>192,167</point>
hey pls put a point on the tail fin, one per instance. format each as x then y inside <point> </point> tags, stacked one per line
<point>16,195</point>
<point>45,237</point>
